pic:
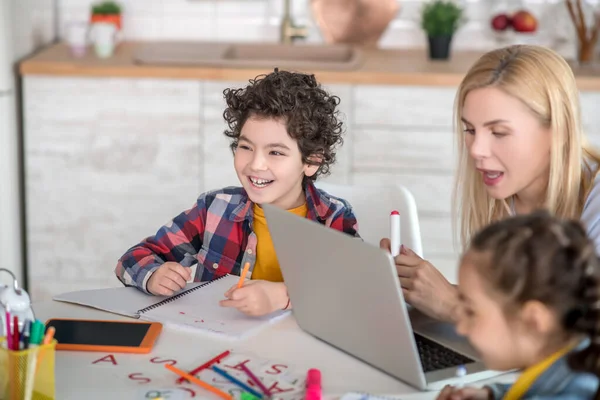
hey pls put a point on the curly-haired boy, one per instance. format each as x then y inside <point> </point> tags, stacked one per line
<point>284,130</point>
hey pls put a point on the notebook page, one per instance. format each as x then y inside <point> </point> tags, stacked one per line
<point>200,310</point>
<point>123,300</point>
<point>119,300</point>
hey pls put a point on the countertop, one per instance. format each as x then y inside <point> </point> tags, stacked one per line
<point>380,67</point>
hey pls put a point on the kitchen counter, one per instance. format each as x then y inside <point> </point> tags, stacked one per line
<point>380,67</point>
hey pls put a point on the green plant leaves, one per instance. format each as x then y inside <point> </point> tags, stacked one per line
<point>106,8</point>
<point>441,18</point>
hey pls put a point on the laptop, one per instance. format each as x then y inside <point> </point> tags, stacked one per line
<point>346,293</point>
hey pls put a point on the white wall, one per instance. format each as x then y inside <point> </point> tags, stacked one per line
<point>257,20</point>
<point>30,25</point>
<point>33,25</point>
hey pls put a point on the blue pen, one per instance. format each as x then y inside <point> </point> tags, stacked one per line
<point>237,382</point>
<point>26,334</point>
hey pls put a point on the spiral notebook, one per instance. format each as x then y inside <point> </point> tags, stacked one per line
<point>196,307</point>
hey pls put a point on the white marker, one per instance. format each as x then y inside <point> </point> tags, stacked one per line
<point>395,233</point>
<point>461,372</point>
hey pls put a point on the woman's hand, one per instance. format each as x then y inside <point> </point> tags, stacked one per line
<point>423,286</point>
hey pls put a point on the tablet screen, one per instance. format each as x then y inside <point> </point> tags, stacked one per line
<point>99,333</point>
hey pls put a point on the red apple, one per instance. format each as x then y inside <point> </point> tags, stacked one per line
<point>524,21</point>
<point>500,22</point>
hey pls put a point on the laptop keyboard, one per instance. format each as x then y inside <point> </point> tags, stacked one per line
<point>434,356</point>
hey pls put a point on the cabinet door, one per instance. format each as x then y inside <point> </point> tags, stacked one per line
<point>590,107</point>
<point>108,161</point>
<point>217,156</point>
<point>403,135</point>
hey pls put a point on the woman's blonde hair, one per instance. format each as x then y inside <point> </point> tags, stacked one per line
<point>544,82</point>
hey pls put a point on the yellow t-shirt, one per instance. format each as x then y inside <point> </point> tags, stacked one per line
<point>529,376</point>
<point>267,266</point>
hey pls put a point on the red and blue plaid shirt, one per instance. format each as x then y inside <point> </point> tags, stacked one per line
<point>216,233</point>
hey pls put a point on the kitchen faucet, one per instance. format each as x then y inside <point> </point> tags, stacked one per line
<point>289,30</point>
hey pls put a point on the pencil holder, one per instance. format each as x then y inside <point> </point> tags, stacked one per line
<point>27,374</point>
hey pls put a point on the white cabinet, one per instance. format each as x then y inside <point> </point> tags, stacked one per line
<point>107,162</point>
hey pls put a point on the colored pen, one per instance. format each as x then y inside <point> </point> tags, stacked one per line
<point>26,334</point>
<point>254,379</point>
<point>198,382</point>
<point>313,384</point>
<point>247,396</point>
<point>8,332</point>
<point>15,339</point>
<point>206,365</point>
<point>37,331</point>
<point>395,233</point>
<point>33,333</point>
<point>236,381</point>
<point>243,275</point>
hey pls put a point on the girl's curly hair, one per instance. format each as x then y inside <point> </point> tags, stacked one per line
<point>310,113</point>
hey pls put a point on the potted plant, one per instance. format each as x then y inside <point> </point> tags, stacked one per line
<point>107,11</point>
<point>440,19</point>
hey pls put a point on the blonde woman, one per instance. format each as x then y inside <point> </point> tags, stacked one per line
<point>521,148</point>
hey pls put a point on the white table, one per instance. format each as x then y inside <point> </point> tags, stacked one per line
<point>77,377</point>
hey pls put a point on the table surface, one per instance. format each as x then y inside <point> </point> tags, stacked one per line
<point>93,375</point>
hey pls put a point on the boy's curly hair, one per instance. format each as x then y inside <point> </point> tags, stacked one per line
<point>310,113</point>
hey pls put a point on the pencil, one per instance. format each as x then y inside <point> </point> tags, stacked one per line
<point>198,382</point>
<point>49,335</point>
<point>236,381</point>
<point>206,365</point>
<point>255,379</point>
<point>243,275</point>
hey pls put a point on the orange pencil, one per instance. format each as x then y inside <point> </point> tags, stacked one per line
<point>49,335</point>
<point>198,382</point>
<point>243,275</point>
<point>47,340</point>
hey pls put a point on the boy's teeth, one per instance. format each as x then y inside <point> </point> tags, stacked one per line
<point>260,182</point>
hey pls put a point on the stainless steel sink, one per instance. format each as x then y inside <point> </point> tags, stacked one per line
<point>250,55</point>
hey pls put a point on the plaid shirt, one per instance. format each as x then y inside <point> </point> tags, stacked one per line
<point>216,233</point>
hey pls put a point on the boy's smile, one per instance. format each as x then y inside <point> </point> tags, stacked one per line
<point>269,164</point>
<point>260,183</point>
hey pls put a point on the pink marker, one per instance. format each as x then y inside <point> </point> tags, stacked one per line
<point>395,233</point>
<point>313,384</point>
<point>8,331</point>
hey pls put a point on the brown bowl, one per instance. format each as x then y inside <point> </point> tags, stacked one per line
<point>360,22</point>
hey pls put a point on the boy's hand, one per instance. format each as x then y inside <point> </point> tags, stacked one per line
<point>168,278</point>
<point>468,393</point>
<point>257,297</point>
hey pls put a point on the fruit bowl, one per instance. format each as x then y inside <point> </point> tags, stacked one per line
<point>517,27</point>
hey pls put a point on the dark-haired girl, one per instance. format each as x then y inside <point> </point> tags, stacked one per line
<point>529,290</point>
